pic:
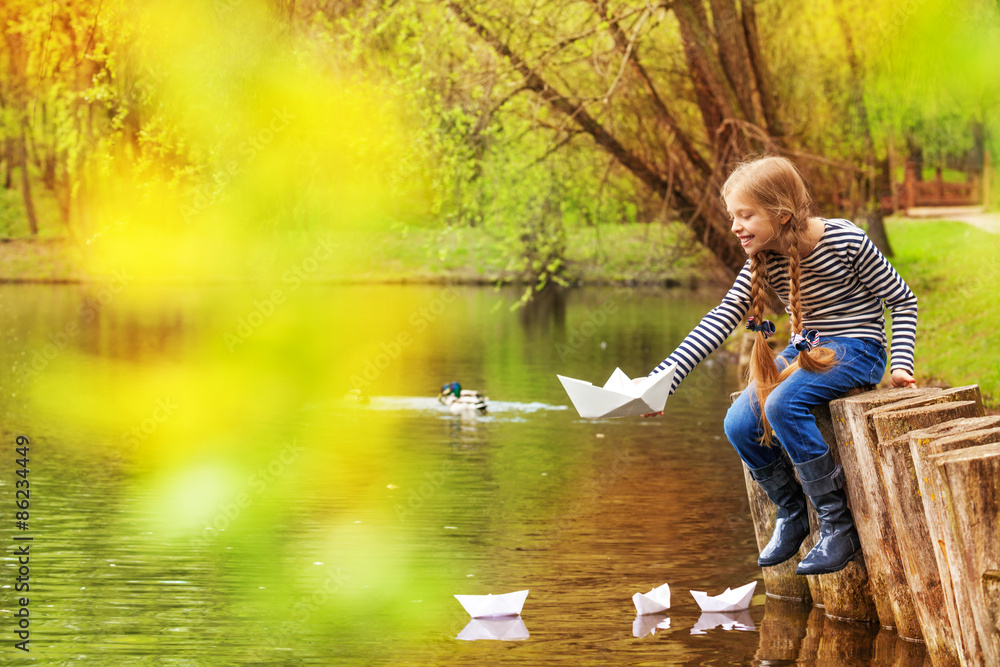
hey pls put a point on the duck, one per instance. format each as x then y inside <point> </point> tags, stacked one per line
<point>461,400</point>
<point>356,396</point>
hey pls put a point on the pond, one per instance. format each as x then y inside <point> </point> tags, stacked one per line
<point>202,493</point>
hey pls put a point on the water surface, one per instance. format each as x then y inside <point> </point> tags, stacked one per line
<point>202,494</point>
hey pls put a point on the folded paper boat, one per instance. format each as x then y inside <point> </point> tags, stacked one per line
<point>728,600</point>
<point>653,602</point>
<point>620,397</point>
<point>505,628</point>
<point>482,606</point>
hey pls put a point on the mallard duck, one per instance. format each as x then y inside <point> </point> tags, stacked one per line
<point>356,396</point>
<point>461,400</point>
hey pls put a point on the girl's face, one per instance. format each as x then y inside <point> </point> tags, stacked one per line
<point>753,226</point>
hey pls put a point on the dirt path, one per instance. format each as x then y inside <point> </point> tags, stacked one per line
<point>972,215</point>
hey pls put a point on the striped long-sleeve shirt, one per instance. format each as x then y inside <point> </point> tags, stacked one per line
<point>844,283</point>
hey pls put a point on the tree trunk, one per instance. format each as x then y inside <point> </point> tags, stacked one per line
<point>765,90</point>
<point>29,204</point>
<point>705,219</point>
<point>8,181</point>
<point>734,55</point>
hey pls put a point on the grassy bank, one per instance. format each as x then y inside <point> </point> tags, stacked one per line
<point>954,269</point>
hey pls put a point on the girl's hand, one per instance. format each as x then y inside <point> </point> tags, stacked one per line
<point>901,378</point>
<point>651,414</point>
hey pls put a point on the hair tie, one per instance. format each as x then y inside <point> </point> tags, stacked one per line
<point>806,341</point>
<point>766,327</point>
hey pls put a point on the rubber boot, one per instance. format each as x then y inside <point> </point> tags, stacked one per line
<point>823,481</point>
<point>791,524</point>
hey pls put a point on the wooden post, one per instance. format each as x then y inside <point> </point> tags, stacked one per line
<point>895,421</point>
<point>969,487</point>
<point>847,594</point>
<point>938,439</point>
<point>844,595</point>
<point>914,538</point>
<point>856,445</point>
<point>780,581</point>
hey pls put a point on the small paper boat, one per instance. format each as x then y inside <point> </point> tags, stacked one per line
<point>728,600</point>
<point>649,624</point>
<point>483,606</point>
<point>505,628</point>
<point>620,397</point>
<point>653,602</point>
<point>733,620</point>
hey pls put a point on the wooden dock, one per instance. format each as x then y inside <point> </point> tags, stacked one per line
<point>922,471</point>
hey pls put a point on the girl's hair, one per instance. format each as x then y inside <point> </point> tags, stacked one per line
<point>775,186</point>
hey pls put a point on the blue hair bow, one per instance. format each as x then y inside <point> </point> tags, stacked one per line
<point>806,341</point>
<point>766,327</point>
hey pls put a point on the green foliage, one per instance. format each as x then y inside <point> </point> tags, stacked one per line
<point>954,270</point>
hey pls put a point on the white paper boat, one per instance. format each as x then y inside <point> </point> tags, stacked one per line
<point>649,624</point>
<point>620,397</point>
<point>505,628</point>
<point>733,620</point>
<point>728,600</point>
<point>482,606</point>
<point>653,602</point>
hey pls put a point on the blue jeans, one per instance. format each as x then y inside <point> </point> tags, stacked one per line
<point>860,361</point>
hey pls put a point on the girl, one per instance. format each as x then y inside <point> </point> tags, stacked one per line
<point>834,282</point>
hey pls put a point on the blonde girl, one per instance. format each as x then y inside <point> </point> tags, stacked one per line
<point>835,284</point>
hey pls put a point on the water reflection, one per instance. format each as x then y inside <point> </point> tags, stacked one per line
<point>510,628</point>
<point>733,620</point>
<point>648,624</point>
<point>267,521</point>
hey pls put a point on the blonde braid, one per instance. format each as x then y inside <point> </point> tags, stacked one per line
<point>762,370</point>
<point>820,359</point>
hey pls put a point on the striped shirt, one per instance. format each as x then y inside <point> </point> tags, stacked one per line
<point>845,284</point>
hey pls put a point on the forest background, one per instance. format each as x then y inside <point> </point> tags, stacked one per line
<point>545,142</point>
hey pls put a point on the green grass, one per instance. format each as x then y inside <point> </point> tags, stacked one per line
<point>954,270</point>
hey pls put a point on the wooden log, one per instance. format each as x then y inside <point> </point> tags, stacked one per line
<point>910,523</point>
<point>847,594</point>
<point>971,495</point>
<point>890,422</point>
<point>856,446</point>
<point>889,427</point>
<point>844,595</point>
<point>780,581</point>
<point>945,437</point>
<point>781,630</point>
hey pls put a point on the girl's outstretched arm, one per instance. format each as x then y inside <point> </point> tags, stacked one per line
<point>713,329</point>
